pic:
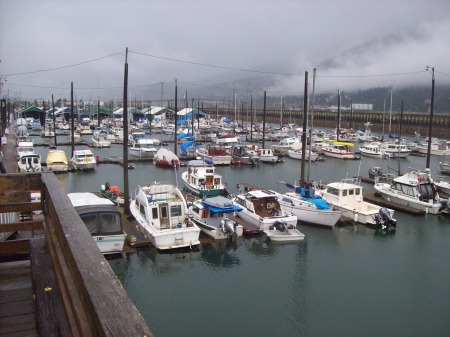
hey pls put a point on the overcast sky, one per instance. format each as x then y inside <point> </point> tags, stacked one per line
<point>354,44</point>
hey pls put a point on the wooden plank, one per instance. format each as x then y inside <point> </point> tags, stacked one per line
<point>99,289</point>
<point>16,308</point>
<point>16,295</point>
<point>20,207</point>
<point>10,247</point>
<point>50,314</point>
<point>21,226</point>
<point>18,324</point>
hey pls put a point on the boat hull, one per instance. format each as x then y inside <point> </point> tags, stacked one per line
<point>265,223</point>
<point>428,207</point>
<point>215,232</point>
<point>287,236</point>
<point>325,218</point>
<point>110,244</point>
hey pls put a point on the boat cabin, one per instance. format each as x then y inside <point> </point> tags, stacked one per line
<point>261,202</point>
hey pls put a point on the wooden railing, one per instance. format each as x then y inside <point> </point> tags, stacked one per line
<point>92,298</point>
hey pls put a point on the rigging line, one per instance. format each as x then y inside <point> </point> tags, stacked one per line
<point>375,75</point>
<point>64,67</point>
<point>214,66</point>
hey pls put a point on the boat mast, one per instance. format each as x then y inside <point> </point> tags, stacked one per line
<point>126,205</point>
<point>400,138</point>
<point>431,116</point>
<point>305,117</point>
<point>312,122</point>
<point>390,115</point>
<point>338,116</point>
<point>264,122</point>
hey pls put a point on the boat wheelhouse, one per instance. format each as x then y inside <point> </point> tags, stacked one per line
<point>102,219</point>
<point>201,179</point>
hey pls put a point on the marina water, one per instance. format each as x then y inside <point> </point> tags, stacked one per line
<point>348,281</point>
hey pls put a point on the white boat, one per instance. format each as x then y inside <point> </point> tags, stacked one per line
<point>307,207</point>
<point>142,148</point>
<point>444,167</point>
<point>371,150</point>
<point>100,139</point>
<point>284,144</point>
<point>296,153</point>
<point>25,148</point>
<point>395,150</point>
<point>102,219</point>
<point>347,196</point>
<point>241,154</point>
<point>29,163</point>
<point>227,140</point>
<point>83,160</point>
<point>137,136</point>
<point>48,132</point>
<point>215,153</point>
<point>267,156</point>
<point>161,213</point>
<point>282,233</point>
<point>442,185</point>
<point>261,209</point>
<point>57,161</point>
<point>166,158</point>
<point>210,215</point>
<point>413,189</point>
<point>201,179</point>
<point>340,150</point>
<point>437,148</point>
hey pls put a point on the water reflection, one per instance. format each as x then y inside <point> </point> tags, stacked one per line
<point>220,254</point>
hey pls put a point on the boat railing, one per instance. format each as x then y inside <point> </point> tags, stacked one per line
<point>67,267</point>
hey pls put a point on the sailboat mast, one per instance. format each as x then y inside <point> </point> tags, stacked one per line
<point>390,115</point>
<point>305,116</point>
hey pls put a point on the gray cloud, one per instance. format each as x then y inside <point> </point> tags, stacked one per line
<point>350,43</point>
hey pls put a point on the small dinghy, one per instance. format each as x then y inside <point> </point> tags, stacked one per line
<point>281,232</point>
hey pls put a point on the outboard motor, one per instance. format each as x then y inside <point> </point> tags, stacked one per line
<point>107,186</point>
<point>281,226</point>
<point>228,227</point>
<point>445,206</point>
<point>384,219</point>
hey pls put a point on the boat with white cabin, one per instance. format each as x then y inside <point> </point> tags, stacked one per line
<point>102,219</point>
<point>201,179</point>
<point>340,150</point>
<point>29,163</point>
<point>261,209</point>
<point>210,215</point>
<point>371,150</point>
<point>161,212</point>
<point>83,160</point>
<point>414,189</point>
<point>347,196</point>
<point>215,153</point>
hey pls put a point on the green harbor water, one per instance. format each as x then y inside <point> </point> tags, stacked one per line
<point>348,281</point>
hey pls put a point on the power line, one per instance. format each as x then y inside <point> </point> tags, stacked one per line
<point>63,67</point>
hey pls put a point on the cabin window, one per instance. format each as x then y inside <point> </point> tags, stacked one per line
<point>90,220</point>
<point>358,191</point>
<point>175,210</point>
<point>155,212</point>
<point>110,223</point>
<point>196,209</point>
<point>164,212</point>
<point>344,193</point>
<point>333,190</point>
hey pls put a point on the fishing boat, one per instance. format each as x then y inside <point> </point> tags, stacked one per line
<point>29,163</point>
<point>83,160</point>
<point>444,167</point>
<point>347,196</point>
<point>261,209</point>
<point>165,158</point>
<point>102,219</point>
<point>161,213</point>
<point>210,215</point>
<point>395,150</point>
<point>25,148</point>
<point>100,139</point>
<point>308,208</point>
<point>227,140</point>
<point>215,153</point>
<point>57,161</point>
<point>201,179</point>
<point>442,184</point>
<point>142,148</point>
<point>242,155</point>
<point>296,153</point>
<point>413,189</point>
<point>377,172</point>
<point>437,148</point>
<point>112,192</point>
<point>371,150</point>
<point>267,156</point>
<point>340,150</point>
<point>284,144</point>
<point>282,233</point>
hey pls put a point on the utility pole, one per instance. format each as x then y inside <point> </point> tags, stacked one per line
<point>430,127</point>
<point>126,206</point>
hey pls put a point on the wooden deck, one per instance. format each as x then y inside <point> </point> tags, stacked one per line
<point>54,281</point>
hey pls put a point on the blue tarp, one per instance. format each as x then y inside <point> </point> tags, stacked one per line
<point>319,202</point>
<point>188,144</point>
